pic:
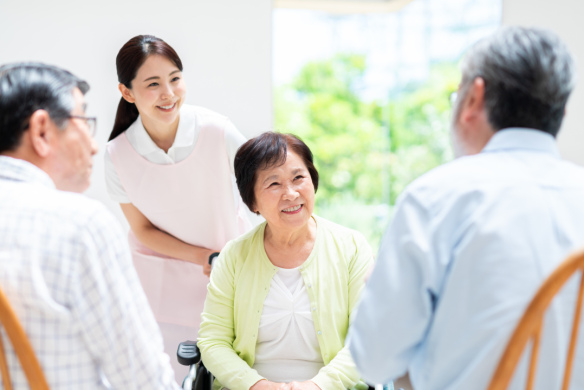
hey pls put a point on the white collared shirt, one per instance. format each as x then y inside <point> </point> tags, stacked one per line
<point>67,271</point>
<point>184,143</point>
<point>470,243</point>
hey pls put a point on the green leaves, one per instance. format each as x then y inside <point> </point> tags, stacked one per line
<point>366,152</point>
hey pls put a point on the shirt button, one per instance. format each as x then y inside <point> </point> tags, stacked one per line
<point>309,285</point>
<point>319,332</point>
<point>313,308</point>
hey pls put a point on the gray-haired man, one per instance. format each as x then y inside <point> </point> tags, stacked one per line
<point>471,241</point>
<point>64,261</point>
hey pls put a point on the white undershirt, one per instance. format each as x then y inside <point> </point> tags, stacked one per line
<point>287,348</point>
<point>184,143</point>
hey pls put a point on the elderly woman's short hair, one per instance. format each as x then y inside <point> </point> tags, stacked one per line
<point>265,151</point>
<point>529,75</point>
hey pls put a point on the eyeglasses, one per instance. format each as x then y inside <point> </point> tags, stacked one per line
<point>90,121</point>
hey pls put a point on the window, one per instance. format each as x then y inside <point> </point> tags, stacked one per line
<point>369,94</point>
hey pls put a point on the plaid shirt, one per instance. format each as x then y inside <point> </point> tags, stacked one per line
<point>67,271</point>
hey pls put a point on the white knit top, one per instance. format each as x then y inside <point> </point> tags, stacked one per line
<point>287,347</point>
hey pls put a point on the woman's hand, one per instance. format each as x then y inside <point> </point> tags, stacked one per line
<point>207,269</point>
<point>265,384</point>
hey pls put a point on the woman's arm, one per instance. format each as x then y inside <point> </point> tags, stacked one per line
<point>164,243</point>
<point>341,372</point>
<point>217,332</point>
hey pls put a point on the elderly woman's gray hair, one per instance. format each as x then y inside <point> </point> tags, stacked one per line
<point>529,75</point>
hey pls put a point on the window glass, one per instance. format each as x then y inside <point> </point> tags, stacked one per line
<point>369,94</point>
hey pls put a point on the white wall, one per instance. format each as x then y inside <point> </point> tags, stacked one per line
<point>225,47</point>
<point>565,18</point>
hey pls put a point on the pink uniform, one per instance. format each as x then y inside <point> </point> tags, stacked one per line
<point>193,201</point>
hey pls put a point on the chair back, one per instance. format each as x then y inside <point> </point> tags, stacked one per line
<point>530,326</point>
<point>22,347</point>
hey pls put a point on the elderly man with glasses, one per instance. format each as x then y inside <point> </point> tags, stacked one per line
<point>471,241</point>
<point>64,262</point>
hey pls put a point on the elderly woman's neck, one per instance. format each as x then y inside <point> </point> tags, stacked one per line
<point>290,237</point>
<point>290,248</point>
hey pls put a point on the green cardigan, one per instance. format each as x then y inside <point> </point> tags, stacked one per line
<point>334,276</point>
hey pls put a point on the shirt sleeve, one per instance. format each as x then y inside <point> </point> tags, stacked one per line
<point>217,331</point>
<point>112,180</point>
<point>340,372</point>
<point>397,304</point>
<point>111,309</point>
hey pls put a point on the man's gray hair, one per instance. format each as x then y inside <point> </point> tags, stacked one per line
<point>529,75</point>
<point>27,87</point>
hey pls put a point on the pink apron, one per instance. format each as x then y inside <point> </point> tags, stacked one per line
<point>191,200</point>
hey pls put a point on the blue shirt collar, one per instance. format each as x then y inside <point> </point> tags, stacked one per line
<point>516,138</point>
<point>15,169</point>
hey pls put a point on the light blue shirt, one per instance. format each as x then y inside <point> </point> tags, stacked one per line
<point>470,243</point>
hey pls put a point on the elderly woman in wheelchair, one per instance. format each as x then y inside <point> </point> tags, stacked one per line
<point>280,297</point>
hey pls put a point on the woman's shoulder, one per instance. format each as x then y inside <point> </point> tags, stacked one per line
<point>246,242</point>
<point>336,231</point>
<point>202,112</point>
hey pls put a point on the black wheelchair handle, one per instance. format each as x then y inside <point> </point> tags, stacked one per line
<point>212,257</point>
<point>188,353</point>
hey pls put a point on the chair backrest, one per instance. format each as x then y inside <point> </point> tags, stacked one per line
<point>28,361</point>
<point>530,326</point>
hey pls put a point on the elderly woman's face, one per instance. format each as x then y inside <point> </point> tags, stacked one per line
<point>284,195</point>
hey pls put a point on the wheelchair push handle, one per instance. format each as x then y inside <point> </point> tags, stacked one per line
<point>188,353</point>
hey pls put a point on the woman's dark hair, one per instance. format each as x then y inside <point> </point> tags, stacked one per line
<point>129,59</point>
<point>265,151</point>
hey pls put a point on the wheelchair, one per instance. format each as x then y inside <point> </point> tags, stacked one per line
<point>199,378</point>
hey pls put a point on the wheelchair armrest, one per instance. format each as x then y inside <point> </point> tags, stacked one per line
<point>188,353</point>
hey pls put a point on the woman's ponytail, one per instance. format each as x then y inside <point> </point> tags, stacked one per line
<point>126,115</point>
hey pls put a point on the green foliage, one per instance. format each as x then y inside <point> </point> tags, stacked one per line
<point>419,118</point>
<point>365,152</point>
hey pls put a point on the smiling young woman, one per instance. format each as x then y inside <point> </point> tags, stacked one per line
<point>170,166</point>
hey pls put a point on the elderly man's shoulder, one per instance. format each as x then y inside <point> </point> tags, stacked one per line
<point>489,173</point>
<point>452,173</point>
<point>64,208</point>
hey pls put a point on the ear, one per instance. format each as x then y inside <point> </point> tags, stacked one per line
<point>474,103</point>
<point>41,131</point>
<point>126,93</point>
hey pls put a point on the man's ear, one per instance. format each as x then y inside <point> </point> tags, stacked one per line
<point>41,131</point>
<point>126,93</point>
<point>474,103</point>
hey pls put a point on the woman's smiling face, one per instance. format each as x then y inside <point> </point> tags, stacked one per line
<point>158,90</point>
<point>284,195</point>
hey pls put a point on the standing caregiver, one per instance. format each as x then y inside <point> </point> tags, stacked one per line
<point>170,166</point>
